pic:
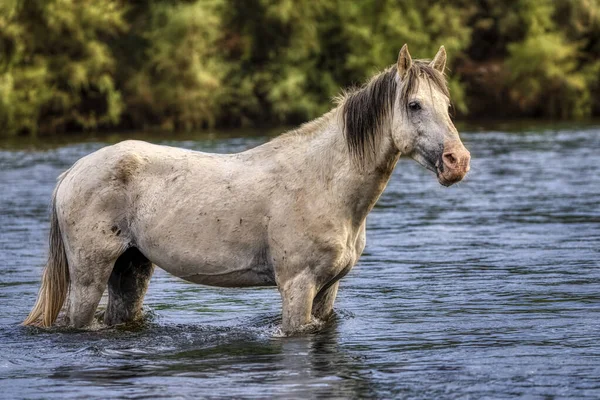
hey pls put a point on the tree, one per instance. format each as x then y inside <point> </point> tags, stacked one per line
<point>57,71</point>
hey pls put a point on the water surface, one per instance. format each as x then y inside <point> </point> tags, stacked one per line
<point>487,289</point>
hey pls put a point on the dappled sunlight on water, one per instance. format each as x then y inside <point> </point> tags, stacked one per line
<point>486,289</point>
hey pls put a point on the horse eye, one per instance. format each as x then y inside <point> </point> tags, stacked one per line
<point>414,106</point>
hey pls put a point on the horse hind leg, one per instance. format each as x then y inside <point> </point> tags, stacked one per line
<point>85,291</point>
<point>90,269</point>
<point>127,287</point>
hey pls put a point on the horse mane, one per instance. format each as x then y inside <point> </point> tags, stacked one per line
<point>367,110</point>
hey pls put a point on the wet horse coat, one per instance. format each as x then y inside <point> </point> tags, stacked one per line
<point>289,213</point>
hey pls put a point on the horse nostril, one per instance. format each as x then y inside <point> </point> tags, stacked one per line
<point>450,159</point>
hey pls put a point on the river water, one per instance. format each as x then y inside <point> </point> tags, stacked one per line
<point>487,289</point>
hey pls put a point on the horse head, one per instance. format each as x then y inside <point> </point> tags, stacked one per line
<point>421,126</point>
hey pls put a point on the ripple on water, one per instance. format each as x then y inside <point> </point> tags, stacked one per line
<point>488,289</point>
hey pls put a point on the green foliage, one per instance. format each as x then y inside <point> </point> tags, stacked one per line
<point>271,48</point>
<point>292,57</point>
<point>189,64</point>
<point>177,83</point>
<point>546,75</point>
<point>56,70</point>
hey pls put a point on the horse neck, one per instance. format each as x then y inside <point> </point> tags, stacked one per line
<point>355,189</point>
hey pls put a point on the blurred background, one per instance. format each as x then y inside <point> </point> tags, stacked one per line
<point>82,65</point>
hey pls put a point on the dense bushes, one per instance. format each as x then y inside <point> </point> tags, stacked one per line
<point>180,65</point>
<point>56,68</point>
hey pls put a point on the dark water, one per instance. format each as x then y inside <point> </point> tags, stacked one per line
<point>488,289</point>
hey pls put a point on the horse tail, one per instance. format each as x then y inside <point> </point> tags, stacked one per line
<point>55,280</point>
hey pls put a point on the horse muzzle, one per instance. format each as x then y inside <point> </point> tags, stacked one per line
<point>454,164</point>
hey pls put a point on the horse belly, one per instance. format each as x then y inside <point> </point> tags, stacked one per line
<point>220,261</point>
<point>254,276</point>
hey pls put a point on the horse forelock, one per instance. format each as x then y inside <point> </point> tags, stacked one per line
<point>421,70</point>
<point>367,111</point>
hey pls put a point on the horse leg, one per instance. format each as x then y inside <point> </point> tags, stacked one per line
<point>323,303</point>
<point>91,259</point>
<point>297,295</point>
<point>127,287</point>
<point>85,291</point>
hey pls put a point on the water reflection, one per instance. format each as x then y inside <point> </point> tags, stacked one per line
<point>323,368</point>
<point>236,362</point>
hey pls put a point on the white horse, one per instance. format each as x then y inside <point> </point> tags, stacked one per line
<point>289,213</point>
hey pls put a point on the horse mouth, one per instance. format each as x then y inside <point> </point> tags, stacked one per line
<point>448,177</point>
<point>446,182</point>
<point>439,173</point>
<point>445,176</point>
<point>443,181</point>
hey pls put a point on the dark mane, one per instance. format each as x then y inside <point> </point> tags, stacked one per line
<point>367,111</point>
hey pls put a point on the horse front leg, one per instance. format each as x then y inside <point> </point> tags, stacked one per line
<point>297,296</point>
<point>323,303</point>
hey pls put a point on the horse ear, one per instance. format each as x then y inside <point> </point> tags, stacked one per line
<point>439,61</point>
<point>404,61</point>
